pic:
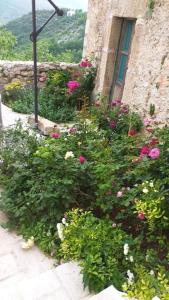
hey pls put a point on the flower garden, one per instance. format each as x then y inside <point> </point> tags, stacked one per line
<point>97,193</point>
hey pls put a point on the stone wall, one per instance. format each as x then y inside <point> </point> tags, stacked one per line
<point>11,71</point>
<point>147,78</point>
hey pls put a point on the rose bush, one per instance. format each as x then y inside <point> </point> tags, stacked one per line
<point>119,172</point>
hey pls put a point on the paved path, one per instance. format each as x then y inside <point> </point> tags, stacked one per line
<point>10,117</point>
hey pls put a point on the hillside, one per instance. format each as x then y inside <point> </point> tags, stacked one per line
<point>62,34</point>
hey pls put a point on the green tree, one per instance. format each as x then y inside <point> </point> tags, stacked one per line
<point>7,43</point>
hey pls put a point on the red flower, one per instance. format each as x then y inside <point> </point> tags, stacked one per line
<point>55,135</point>
<point>141,215</point>
<point>144,150</point>
<point>113,124</point>
<point>82,159</point>
<point>154,141</point>
<point>132,132</point>
<point>85,63</point>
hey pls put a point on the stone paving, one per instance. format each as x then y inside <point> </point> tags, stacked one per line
<point>9,117</point>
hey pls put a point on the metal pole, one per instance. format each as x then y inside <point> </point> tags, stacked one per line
<point>35,62</point>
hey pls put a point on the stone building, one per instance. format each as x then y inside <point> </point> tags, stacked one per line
<point>130,41</point>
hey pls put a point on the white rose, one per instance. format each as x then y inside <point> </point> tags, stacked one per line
<point>60,228</point>
<point>151,184</point>
<point>152,272</point>
<point>145,190</point>
<point>131,259</point>
<point>69,154</point>
<point>130,277</point>
<point>126,249</point>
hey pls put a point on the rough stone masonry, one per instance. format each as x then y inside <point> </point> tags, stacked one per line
<point>147,77</point>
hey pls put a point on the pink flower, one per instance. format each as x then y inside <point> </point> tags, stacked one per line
<point>144,150</point>
<point>116,102</point>
<point>147,122</point>
<point>55,135</point>
<point>141,215</point>
<point>119,194</point>
<point>97,103</point>
<point>72,130</point>
<point>124,110</point>
<point>85,63</point>
<point>72,85</point>
<point>154,153</point>
<point>113,124</point>
<point>82,159</point>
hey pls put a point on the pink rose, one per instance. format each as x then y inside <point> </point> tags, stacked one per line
<point>144,150</point>
<point>85,63</point>
<point>72,130</point>
<point>141,216</point>
<point>119,194</point>
<point>72,85</point>
<point>147,122</point>
<point>82,159</point>
<point>55,135</point>
<point>154,153</point>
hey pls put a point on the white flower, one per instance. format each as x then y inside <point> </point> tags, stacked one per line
<point>131,259</point>
<point>145,190</point>
<point>130,277</point>
<point>69,154</point>
<point>64,221</point>
<point>152,272</point>
<point>151,184</point>
<point>114,225</point>
<point>155,298</point>
<point>126,249</point>
<point>79,143</point>
<point>60,228</point>
<point>29,244</point>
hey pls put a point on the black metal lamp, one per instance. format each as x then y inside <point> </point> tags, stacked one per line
<point>33,37</point>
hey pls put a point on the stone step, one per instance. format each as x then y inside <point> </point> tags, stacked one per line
<point>109,294</point>
<point>61,283</point>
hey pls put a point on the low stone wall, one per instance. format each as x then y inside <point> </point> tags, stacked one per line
<point>23,70</point>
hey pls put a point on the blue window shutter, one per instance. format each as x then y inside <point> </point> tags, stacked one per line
<point>122,68</point>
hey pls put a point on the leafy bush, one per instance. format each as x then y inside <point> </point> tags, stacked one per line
<point>57,102</point>
<point>98,246</point>
<point>122,176</point>
<point>148,285</point>
<point>19,97</point>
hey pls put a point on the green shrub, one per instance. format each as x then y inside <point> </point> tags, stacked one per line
<point>98,246</point>
<point>19,97</point>
<point>149,285</point>
<point>121,175</point>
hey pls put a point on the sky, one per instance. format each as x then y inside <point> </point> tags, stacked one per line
<point>11,9</point>
<point>74,4</point>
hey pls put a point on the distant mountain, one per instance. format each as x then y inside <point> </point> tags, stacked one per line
<point>13,9</point>
<point>62,35</point>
